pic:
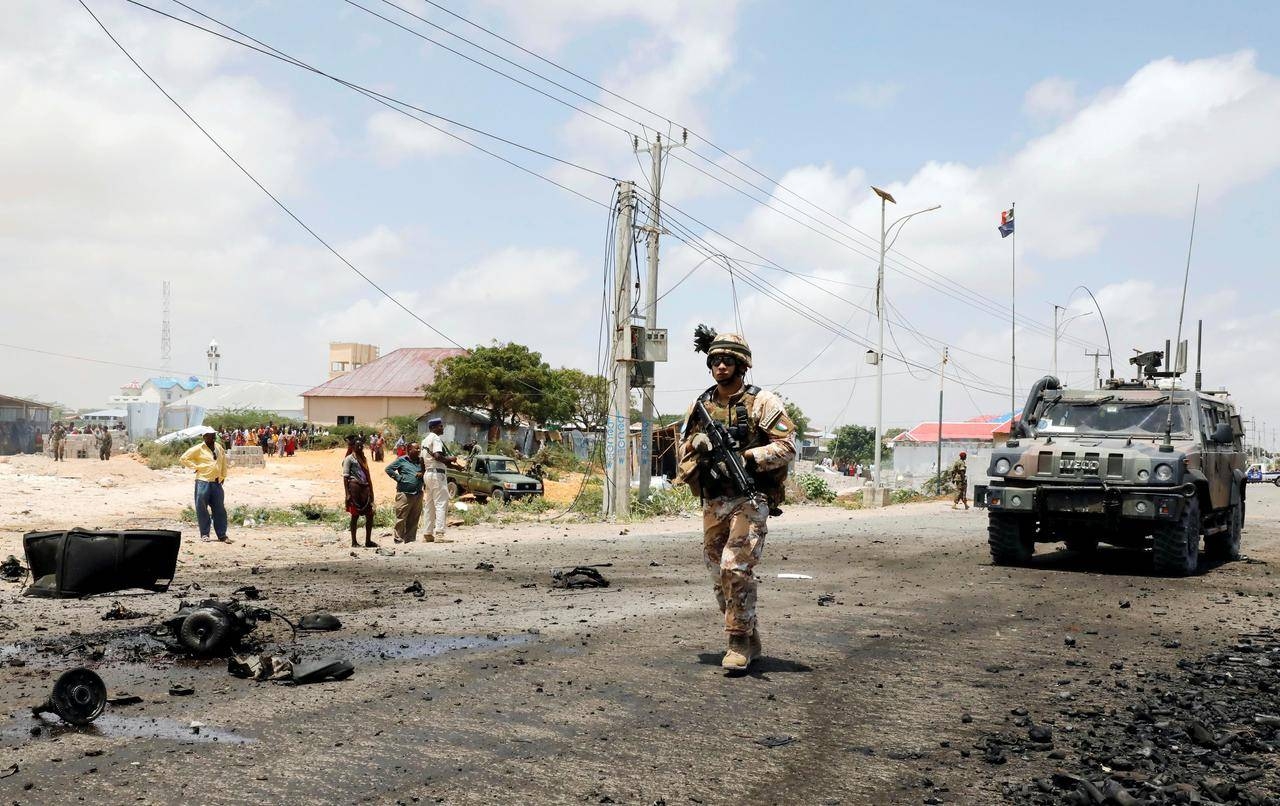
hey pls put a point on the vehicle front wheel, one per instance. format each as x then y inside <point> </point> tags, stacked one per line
<point>1012,538</point>
<point>1226,545</point>
<point>453,489</point>
<point>1176,545</point>
<point>1276,481</point>
<point>499,495</point>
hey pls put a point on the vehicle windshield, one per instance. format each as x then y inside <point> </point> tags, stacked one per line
<point>1138,418</point>
<point>503,466</point>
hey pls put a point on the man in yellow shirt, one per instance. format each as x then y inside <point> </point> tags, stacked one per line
<point>209,460</point>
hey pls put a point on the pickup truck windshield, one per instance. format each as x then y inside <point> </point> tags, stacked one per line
<point>502,466</point>
<point>1113,417</point>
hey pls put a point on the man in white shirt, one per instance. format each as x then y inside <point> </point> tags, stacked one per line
<point>436,458</point>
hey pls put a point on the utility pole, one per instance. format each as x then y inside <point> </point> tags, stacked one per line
<point>1097,379</point>
<point>1013,320</point>
<point>617,499</point>
<point>885,198</point>
<point>1056,308</point>
<point>942,375</point>
<point>653,228</point>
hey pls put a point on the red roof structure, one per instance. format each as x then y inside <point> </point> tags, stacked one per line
<point>399,373</point>
<point>955,432</point>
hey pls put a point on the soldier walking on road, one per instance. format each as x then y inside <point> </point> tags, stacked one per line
<point>408,471</point>
<point>734,525</point>
<point>960,476</point>
<point>437,460</point>
<point>104,444</point>
<point>59,436</point>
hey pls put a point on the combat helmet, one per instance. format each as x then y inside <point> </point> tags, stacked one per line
<point>707,340</point>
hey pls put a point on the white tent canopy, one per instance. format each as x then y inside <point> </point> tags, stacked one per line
<point>258,395</point>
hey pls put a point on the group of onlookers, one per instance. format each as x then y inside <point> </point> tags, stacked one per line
<point>273,439</point>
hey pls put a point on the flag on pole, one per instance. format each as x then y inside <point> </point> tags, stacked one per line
<point>1006,223</point>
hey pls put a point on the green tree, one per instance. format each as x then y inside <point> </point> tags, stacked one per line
<point>798,418</point>
<point>583,398</point>
<point>854,443</point>
<point>401,425</point>
<point>506,380</point>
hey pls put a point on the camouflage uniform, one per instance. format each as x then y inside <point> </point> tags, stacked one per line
<point>734,527</point>
<point>104,444</point>
<point>59,434</point>
<point>960,475</point>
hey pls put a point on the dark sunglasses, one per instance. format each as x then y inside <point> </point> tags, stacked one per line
<point>727,360</point>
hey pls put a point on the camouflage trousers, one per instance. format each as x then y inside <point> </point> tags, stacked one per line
<point>962,490</point>
<point>733,532</point>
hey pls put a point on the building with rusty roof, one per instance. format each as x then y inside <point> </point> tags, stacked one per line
<point>389,386</point>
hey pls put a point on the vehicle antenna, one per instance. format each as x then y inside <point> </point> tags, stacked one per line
<point>1167,445</point>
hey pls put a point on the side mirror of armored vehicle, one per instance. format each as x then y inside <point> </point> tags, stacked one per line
<point>1223,434</point>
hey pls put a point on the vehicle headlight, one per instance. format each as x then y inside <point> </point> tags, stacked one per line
<point>1143,475</point>
<point>1016,500</point>
<point>1017,470</point>
<point>1002,466</point>
<point>510,485</point>
<point>1164,473</point>
<point>1141,506</point>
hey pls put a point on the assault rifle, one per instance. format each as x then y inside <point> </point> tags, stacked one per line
<point>723,462</point>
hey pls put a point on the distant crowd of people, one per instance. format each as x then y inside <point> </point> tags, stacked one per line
<point>274,439</point>
<point>103,437</point>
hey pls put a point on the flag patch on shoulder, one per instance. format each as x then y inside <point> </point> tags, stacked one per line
<point>781,427</point>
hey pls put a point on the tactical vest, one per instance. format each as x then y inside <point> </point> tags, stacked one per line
<point>747,433</point>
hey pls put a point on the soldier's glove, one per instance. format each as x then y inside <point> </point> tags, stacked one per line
<point>701,443</point>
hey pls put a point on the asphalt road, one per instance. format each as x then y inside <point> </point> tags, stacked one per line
<point>496,688</point>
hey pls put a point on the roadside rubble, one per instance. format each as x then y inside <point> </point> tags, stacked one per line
<point>12,569</point>
<point>1207,734</point>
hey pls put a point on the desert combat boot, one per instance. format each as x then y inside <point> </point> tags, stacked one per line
<point>742,650</point>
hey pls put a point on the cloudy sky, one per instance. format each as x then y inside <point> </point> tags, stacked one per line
<point>1098,120</point>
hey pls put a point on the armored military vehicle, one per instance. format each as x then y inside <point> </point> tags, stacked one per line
<point>1134,463</point>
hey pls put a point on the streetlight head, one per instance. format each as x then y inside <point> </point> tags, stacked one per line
<point>884,194</point>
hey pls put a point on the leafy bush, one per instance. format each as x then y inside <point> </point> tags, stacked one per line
<point>939,485</point>
<point>400,426</point>
<point>247,418</point>
<point>815,488</point>
<point>590,501</point>
<point>674,500</point>
<point>849,501</point>
<point>906,496</point>
<point>555,454</point>
<point>160,456</point>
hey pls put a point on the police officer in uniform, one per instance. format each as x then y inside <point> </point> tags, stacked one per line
<point>733,525</point>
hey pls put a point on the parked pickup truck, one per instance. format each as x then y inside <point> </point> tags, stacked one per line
<point>491,476</point>
<point>1256,475</point>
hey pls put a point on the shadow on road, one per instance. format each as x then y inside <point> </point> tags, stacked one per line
<point>759,668</point>
<point>1110,560</point>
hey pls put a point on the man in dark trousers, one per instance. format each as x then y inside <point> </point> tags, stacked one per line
<point>408,471</point>
<point>209,460</point>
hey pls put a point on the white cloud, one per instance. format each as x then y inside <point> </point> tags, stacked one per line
<point>394,137</point>
<point>1051,99</point>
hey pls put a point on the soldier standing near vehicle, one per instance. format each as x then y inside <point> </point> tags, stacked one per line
<point>437,460</point>
<point>960,476</point>
<point>734,521</point>
<point>59,435</point>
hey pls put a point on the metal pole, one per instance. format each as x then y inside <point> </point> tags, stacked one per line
<point>1056,308</point>
<point>1013,315</point>
<point>650,315</point>
<point>879,358</point>
<point>941,382</point>
<point>617,502</point>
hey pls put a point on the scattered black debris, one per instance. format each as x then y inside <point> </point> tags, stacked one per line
<point>12,769</point>
<point>484,566</point>
<point>321,670</point>
<point>250,592</point>
<point>781,740</point>
<point>580,576</point>
<point>121,700</point>
<point>1125,605</point>
<point>826,599</point>
<point>260,667</point>
<point>118,612</point>
<point>12,569</point>
<point>319,621</point>
<point>210,627</point>
<point>1208,733</point>
<point>179,690</point>
<point>529,584</point>
<point>416,589</point>
<point>79,697</point>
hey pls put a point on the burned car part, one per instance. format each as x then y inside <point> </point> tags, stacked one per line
<point>319,621</point>
<point>580,576</point>
<point>318,671</point>
<point>79,562</point>
<point>212,627</point>
<point>79,697</point>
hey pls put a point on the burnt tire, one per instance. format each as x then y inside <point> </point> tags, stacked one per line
<point>1225,546</point>
<point>1176,544</point>
<point>1012,538</point>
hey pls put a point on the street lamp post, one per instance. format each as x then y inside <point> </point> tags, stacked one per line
<point>885,198</point>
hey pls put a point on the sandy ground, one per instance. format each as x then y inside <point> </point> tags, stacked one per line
<point>495,687</point>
